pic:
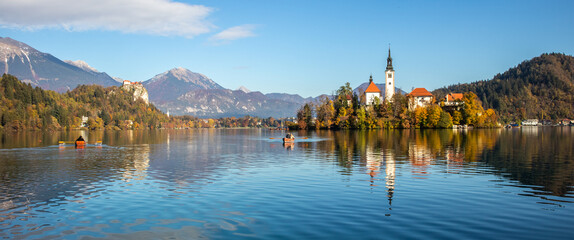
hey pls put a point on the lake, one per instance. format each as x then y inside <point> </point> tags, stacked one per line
<point>245,184</point>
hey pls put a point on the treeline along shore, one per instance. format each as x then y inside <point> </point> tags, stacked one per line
<point>93,107</point>
<point>346,110</point>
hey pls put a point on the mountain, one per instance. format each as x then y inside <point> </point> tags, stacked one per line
<point>216,103</point>
<point>184,92</point>
<point>81,64</point>
<point>170,85</point>
<point>244,89</point>
<point>44,70</point>
<point>541,88</point>
<point>290,98</point>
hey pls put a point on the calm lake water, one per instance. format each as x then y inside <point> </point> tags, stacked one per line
<point>244,183</point>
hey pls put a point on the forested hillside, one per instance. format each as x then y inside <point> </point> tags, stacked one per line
<point>24,107</point>
<point>541,88</point>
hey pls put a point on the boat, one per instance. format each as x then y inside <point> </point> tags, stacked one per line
<point>289,138</point>
<point>80,144</point>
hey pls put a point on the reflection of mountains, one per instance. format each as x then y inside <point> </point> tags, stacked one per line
<point>535,157</point>
<point>202,156</point>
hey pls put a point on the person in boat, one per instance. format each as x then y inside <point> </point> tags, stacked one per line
<point>80,139</point>
<point>290,136</point>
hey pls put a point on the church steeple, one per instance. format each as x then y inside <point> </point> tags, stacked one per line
<point>389,78</point>
<point>389,60</point>
<point>371,78</point>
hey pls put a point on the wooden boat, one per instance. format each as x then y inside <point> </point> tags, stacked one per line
<point>289,138</point>
<point>80,144</point>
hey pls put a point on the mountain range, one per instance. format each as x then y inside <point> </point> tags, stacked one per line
<point>183,92</point>
<point>178,91</point>
<point>46,71</point>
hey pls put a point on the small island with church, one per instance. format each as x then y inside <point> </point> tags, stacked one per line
<point>370,108</point>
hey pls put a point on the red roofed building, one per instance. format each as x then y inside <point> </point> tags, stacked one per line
<point>419,97</point>
<point>453,99</point>
<point>371,93</point>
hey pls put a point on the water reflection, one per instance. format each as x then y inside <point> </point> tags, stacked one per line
<point>229,179</point>
<point>541,158</point>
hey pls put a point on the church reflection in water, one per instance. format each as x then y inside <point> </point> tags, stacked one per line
<point>530,156</point>
<point>374,163</point>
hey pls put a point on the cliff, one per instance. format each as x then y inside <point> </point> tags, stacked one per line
<point>137,89</point>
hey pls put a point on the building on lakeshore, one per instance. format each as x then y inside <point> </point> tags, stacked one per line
<point>530,122</point>
<point>419,97</point>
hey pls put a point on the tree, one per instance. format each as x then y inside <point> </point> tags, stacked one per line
<point>325,112</point>
<point>471,109</point>
<point>445,120</point>
<point>420,117</point>
<point>433,116</point>
<point>305,116</point>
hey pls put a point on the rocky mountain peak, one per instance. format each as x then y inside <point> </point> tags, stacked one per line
<point>177,81</point>
<point>244,89</point>
<point>81,64</point>
<point>10,48</point>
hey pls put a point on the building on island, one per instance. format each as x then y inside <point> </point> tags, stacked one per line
<point>453,99</point>
<point>389,78</point>
<point>372,93</point>
<point>419,97</point>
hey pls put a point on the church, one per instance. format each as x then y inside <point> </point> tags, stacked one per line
<point>373,92</point>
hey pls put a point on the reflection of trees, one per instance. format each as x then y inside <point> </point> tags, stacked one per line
<point>49,176</point>
<point>541,157</point>
<point>537,157</point>
<point>45,175</point>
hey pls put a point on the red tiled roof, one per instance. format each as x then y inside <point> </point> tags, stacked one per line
<point>453,97</point>
<point>420,92</point>
<point>372,88</point>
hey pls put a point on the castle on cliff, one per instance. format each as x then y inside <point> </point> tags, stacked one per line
<point>137,90</point>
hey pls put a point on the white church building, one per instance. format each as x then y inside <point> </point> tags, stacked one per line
<point>373,92</point>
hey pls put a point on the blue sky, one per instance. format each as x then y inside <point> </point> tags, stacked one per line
<point>299,47</point>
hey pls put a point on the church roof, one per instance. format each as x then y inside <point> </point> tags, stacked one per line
<point>389,60</point>
<point>420,92</point>
<point>372,88</point>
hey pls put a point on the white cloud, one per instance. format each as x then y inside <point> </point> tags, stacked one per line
<point>234,33</point>
<point>156,17</point>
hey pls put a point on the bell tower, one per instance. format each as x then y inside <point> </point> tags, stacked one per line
<point>389,78</point>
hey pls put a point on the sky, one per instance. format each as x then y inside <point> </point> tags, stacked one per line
<point>300,47</point>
